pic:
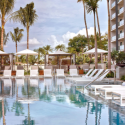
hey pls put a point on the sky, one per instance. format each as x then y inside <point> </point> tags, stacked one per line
<point>58,21</point>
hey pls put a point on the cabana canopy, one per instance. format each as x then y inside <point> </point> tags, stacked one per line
<point>27,52</point>
<point>3,53</point>
<point>60,53</point>
<point>99,51</point>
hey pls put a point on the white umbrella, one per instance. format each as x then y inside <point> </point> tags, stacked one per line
<point>93,51</point>
<point>27,52</point>
<point>3,53</point>
<point>99,51</point>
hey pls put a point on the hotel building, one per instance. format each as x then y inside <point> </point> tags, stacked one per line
<point>117,9</point>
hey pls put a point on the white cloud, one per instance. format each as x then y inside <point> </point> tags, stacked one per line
<point>33,41</point>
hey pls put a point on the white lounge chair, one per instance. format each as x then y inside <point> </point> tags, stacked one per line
<point>121,97</point>
<point>33,73</point>
<point>60,73</point>
<point>47,73</point>
<point>20,74</point>
<point>90,78</point>
<point>6,74</point>
<point>106,93</point>
<point>73,72</point>
<point>87,75</point>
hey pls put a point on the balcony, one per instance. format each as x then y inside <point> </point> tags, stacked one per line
<point>113,38</point>
<point>121,23</point>
<point>121,47</point>
<point>113,15</point>
<point>121,35</point>
<point>121,10</point>
<point>114,27</point>
<point>119,1</point>
<point>113,4</point>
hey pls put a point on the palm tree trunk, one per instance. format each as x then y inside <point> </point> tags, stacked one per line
<point>98,24</point>
<point>86,24</point>
<point>96,56</point>
<point>109,37</point>
<point>16,52</point>
<point>27,37</point>
<point>4,123</point>
<point>2,32</point>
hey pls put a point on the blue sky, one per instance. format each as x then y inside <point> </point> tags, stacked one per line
<point>58,21</point>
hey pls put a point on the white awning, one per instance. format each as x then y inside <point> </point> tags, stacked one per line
<point>92,51</point>
<point>27,52</point>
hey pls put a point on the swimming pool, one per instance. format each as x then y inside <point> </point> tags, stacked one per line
<point>53,102</point>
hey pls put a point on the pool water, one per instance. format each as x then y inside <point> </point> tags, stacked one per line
<point>52,102</point>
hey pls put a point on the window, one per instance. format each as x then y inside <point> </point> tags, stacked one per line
<point>121,31</point>
<point>120,43</point>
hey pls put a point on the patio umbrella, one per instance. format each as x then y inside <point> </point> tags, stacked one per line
<point>27,52</point>
<point>99,51</point>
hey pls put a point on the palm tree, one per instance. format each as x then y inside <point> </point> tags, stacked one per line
<point>5,37</point>
<point>92,5</point>
<point>26,16</point>
<point>85,20</point>
<point>6,7</point>
<point>60,47</point>
<point>16,36</point>
<point>47,49</point>
<point>109,37</point>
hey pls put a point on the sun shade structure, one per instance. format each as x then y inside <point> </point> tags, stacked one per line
<point>3,53</point>
<point>100,51</point>
<point>27,52</point>
<point>60,53</point>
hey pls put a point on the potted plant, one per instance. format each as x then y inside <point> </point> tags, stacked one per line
<point>41,71</point>
<point>120,59</point>
<point>80,70</point>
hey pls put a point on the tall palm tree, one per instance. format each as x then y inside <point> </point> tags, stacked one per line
<point>17,36</point>
<point>60,47</point>
<point>26,16</point>
<point>98,24</point>
<point>47,49</point>
<point>83,1</point>
<point>109,37</point>
<point>5,37</point>
<point>92,5</point>
<point>6,7</point>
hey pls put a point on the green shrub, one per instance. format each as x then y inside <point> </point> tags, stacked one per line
<point>110,75</point>
<point>123,78</point>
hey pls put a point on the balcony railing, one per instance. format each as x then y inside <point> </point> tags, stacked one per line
<point>121,23</point>
<point>113,15</point>
<point>113,38</point>
<point>121,47</point>
<point>121,35</point>
<point>121,10</point>
<point>114,27</point>
<point>113,4</point>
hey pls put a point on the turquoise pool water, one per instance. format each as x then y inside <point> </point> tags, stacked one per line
<point>52,102</point>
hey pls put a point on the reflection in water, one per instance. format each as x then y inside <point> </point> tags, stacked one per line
<point>36,101</point>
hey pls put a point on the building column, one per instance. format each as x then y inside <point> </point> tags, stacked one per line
<point>116,10</point>
<point>124,24</point>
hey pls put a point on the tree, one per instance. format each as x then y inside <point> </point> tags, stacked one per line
<point>60,47</point>
<point>6,7</point>
<point>83,1</point>
<point>114,55</point>
<point>16,36</point>
<point>47,49</point>
<point>109,37</point>
<point>26,16</point>
<point>5,37</point>
<point>92,5</point>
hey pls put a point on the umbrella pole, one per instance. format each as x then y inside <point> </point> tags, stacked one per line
<point>27,63</point>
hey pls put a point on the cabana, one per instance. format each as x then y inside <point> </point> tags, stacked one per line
<point>60,53</point>
<point>99,51</point>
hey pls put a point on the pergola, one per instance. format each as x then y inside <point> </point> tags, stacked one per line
<point>60,53</point>
<point>99,51</point>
